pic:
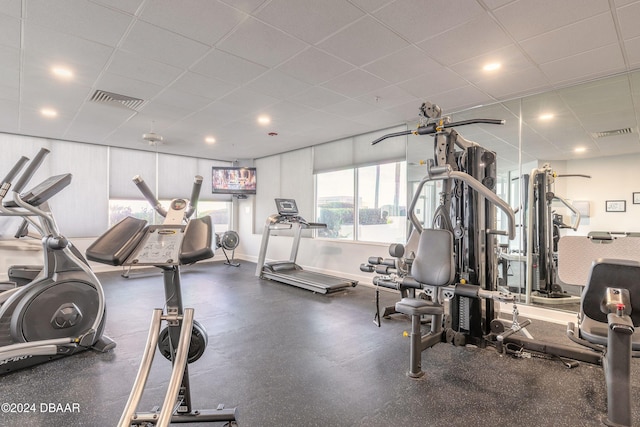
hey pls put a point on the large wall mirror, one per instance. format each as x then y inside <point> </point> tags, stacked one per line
<point>578,147</point>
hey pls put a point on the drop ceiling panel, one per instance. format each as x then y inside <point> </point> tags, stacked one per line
<point>79,18</point>
<point>228,67</point>
<point>9,31</point>
<point>197,84</point>
<point>632,48</point>
<point>128,87</point>
<point>149,41</point>
<point>12,8</point>
<point>318,97</point>
<point>182,99</point>
<point>128,6</point>
<point>441,80</point>
<point>314,66</point>
<point>473,38</point>
<point>524,19</point>
<point>371,5</point>
<point>572,39</point>
<point>97,121</point>
<point>628,21</point>
<point>417,20</point>
<point>277,84</point>
<point>510,85</point>
<point>389,97</point>
<point>261,43</point>
<point>247,6</point>
<point>133,66</point>
<point>249,100</point>
<point>403,65</point>
<point>588,65</point>
<point>205,21</point>
<point>362,42</point>
<point>350,108</point>
<point>355,83</point>
<point>309,20</point>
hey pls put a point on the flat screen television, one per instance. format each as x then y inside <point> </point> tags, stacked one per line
<point>230,180</point>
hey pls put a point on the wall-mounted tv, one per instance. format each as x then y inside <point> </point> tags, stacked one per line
<point>230,180</point>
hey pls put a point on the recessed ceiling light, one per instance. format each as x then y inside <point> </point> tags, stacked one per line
<point>264,120</point>
<point>62,72</point>
<point>547,116</point>
<point>492,66</point>
<point>579,149</point>
<point>209,140</point>
<point>48,112</point>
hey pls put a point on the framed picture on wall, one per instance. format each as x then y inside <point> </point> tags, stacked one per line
<point>636,198</point>
<point>616,205</point>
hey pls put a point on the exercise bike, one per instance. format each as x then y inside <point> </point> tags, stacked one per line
<point>166,246</point>
<point>62,310</point>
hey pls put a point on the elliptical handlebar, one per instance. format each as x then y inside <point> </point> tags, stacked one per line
<point>437,127</point>
<point>30,171</point>
<point>148,194</point>
<point>195,196</point>
<point>6,182</point>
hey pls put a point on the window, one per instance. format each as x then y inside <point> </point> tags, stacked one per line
<point>382,194</point>
<point>335,203</point>
<point>220,213</point>
<point>120,209</point>
<point>381,203</point>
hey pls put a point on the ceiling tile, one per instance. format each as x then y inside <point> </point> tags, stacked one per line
<point>166,113</point>
<point>251,101</point>
<point>155,43</point>
<point>314,66</point>
<point>228,67</point>
<point>524,18</point>
<point>309,20</point>
<point>511,59</point>
<point>439,81</point>
<point>261,43</point>
<point>402,65</point>
<point>350,108</point>
<point>511,84</point>
<point>80,18</point>
<point>277,84</point>
<point>388,97</point>
<point>197,84</point>
<point>463,42</point>
<point>247,6</point>
<point>9,32</point>
<point>182,99</point>
<point>371,5</point>
<point>461,98</point>
<point>318,97</point>
<point>584,66</point>
<point>417,20</point>
<point>585,35</point>
<point>632,48</point>
<point>12,8</point>
<point>127,6</point>
<point>128,87</point>
<point>203,20</point>
<point>363,42</point>
<point>133,66</point>
<point>51,47</point>
<point>95,122</point>
<point>627,18</point>
<point>355,83</point>
<point>8,116</point>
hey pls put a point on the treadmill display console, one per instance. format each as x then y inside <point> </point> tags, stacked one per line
<point>287,207</point>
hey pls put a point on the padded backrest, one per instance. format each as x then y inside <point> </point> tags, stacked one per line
<point>117,243</point>
<point>196,244</point>
<point>434,265</point>
<point>611,273</point>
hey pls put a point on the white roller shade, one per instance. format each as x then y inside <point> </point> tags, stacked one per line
<point>333,155</point>
<point>175,176</point>
<point>124,164</point>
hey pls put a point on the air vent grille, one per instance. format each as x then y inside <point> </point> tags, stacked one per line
<point>104,97</point>
<point>612,133</point>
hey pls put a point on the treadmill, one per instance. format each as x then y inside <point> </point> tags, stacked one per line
<point>289,272</point>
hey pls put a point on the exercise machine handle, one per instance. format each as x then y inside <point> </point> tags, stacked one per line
<point>146,192</point>
<point>31,169</point>
<point>6,182</point>
<point>437,127</point>
<point>195,195</point>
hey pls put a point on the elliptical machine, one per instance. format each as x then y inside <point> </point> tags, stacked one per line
<point>62,311</point>
<point>166,246</point>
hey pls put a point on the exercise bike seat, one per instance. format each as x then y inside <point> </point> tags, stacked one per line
<point>609,273</point>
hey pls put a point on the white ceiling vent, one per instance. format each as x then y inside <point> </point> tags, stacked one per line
<point>117,100</point>
<point>612,133</point>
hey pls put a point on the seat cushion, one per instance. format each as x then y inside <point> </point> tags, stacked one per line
<point>418,307</point>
